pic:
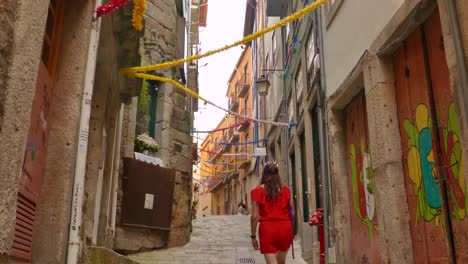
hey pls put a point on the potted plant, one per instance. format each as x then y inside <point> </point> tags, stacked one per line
<point>145,144</point>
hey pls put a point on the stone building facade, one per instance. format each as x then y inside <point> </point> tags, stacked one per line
<point>68,119</point>
<point>239,177</point>
<point>363,110</point>
<point>397,130</point>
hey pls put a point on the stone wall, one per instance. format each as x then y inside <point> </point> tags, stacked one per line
<point>173,121</point>
<point>54,206</point>
<point>21,36</point>
<point>7,19</point>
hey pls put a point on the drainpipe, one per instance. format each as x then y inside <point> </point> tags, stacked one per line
<point>323,137</point>
<point>74,236</point>
<point>459,53</point>
<point>285,111</point>
<point>115,173</point>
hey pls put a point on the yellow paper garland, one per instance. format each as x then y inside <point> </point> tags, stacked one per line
<point>247,39</point>
<point>139,9</point>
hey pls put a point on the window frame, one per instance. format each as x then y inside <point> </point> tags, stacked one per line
<point>331,9</point>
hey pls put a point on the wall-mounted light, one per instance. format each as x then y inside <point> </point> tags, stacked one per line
<point>263,85</point>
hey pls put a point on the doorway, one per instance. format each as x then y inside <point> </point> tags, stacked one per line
<point>431,148</point>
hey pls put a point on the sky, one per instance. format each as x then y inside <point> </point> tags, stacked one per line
<point>225,25</point>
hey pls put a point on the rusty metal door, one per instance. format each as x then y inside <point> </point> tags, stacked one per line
<point>360,178</point>
<point>431,148</point>
<point>148,195</point>
<point>36,144</point>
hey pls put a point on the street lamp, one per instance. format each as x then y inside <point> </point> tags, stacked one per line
<point>262,85</point>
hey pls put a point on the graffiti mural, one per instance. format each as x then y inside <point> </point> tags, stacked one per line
<point>452,160</point>
<point>360,177</point>
<point>432,153</point>
<point>421,167</point>
<point>363,183</point>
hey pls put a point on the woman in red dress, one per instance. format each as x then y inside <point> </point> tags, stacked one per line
<point>270,204</point>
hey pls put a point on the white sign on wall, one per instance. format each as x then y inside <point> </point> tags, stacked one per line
<point>149,201</point>
<point>260,152</point>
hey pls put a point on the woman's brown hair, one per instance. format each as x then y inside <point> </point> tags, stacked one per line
<point>271,180</point>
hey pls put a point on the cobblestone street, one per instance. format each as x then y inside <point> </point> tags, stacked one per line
<point>215,240</point>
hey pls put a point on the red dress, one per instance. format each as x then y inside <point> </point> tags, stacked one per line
<point>275,229</point>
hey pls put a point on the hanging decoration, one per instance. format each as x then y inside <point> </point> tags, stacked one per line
<point>233,143</point>
<point>223,128</point>
<point>110,7</point>
<point>243,143</point>
<point>249,38</point>
<point>225,154</point>
<point>139,9</point>
<point>195,95</point>
<point>227,164</point>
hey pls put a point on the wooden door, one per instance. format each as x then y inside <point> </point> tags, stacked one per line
<point>36,144</point>
<point>431,148</point>
<point>360,180</point>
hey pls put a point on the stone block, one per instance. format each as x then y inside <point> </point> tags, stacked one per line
<point>180,163</point>
<point>392,214</point>
<point>378,70</point>
<point>179,237</point>
<point>179,100</point>
<point>383,125</point>
<point>98,255</point>
<point>133,239</point>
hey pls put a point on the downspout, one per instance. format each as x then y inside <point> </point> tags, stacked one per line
<point>459,53</point>
<point>285,111</point>
<point>323,137</point>
<point>74,235</point>
<point>115,173</point>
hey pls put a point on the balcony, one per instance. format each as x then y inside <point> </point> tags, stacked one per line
<point>233,104</point>
<point>243,121</point>
<point>215,152</point>
<point>233,137</point>
<point>243,86</point>
<point>247,159</point>
<point>233,168</point>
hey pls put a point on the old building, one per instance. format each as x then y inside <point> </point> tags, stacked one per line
<point>238,140</point>
<point>68,121</point>
<point>213,171</point>
<point>396,110</point>
<point>288,58</point>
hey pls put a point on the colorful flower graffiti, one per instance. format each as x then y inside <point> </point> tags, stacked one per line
<point>422,171</point>
<point>421,166</point>
<point>453,165</point>
<point>363,183</point>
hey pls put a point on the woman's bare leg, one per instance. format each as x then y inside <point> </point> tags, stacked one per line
<point>270,258</point>
<point>281,257</point>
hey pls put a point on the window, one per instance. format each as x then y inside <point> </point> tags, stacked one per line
<point>299,88</point>
<point>331,9</point>
<point>299,84</point>
<point>310,52</point>
<point>274,49</point>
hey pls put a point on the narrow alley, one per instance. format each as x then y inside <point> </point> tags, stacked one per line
<point>215,240</point>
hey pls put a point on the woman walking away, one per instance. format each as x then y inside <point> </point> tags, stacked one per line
<point>271,203</point>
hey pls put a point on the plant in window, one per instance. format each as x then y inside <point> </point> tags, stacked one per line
<point>143,143</point>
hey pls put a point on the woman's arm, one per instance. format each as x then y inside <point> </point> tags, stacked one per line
<point>254,219</point>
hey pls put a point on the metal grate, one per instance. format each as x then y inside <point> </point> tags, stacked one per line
<point>24,227</point>
<point>245,260</point>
